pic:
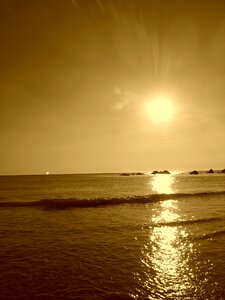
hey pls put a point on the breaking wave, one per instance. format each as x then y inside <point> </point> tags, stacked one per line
<point>212,235</point>
<point>187,222</point>
<point>59,203</point>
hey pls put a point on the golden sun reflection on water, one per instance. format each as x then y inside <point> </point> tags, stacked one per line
<point>172,267</point>
<point>162,183</point>
<point>167,252</point>
<point>168,212</point>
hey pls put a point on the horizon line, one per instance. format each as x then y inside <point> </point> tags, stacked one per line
<point>47,173</point>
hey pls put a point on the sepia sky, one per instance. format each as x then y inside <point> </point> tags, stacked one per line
<point>77,77</point>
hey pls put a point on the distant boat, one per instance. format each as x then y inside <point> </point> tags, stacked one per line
<point>124,174</point>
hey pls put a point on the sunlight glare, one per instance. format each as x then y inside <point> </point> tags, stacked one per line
<point>167,253</point>
<point>162,183</point>
<point>168,213</point>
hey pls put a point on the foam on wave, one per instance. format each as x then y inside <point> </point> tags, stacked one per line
<point>211,235</point>
<point>187,222</point>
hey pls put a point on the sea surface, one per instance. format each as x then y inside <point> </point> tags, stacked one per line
<point>106,236</point>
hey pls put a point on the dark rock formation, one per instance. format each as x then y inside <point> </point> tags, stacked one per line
<point>160,172</point>
<point>223,171</point>
<point>155,172</point>
<point>210,171</point>
<point>194,172</point>
<point>165,172</point>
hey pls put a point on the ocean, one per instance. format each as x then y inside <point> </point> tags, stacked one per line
<point>107,236</point>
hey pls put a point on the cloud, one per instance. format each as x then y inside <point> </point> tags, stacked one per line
<point>124,99</point>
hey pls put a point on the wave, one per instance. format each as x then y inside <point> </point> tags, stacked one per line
<point>187,222</point>
<point>211,235</point>
<point>59,203</point>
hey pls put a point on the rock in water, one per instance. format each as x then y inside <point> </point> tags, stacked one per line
<point>194,172</point>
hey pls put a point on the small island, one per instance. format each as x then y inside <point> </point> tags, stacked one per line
<point>210,171</point>
<point>194,172</point>
<point>128,174</point>
<point>160,172</point>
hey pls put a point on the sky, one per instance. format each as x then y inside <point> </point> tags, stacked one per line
<point>78,78</point>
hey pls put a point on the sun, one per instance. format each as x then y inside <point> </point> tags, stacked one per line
<point>160,109</point>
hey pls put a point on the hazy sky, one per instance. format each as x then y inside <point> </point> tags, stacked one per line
<point>76,76</point>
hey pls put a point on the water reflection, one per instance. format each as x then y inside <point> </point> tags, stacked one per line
<point>165,257</point>
<point>168,212</point>
<point>162,183</point>
<point>170,262</point>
